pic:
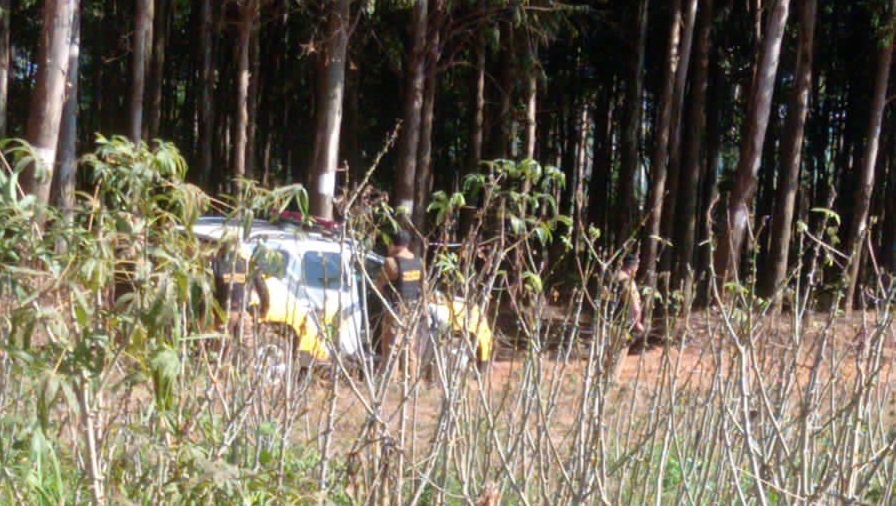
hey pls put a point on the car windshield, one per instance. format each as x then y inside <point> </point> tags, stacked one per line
<point>322,270</point>
<point>272,263</point>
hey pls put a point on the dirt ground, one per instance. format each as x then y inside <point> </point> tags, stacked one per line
<point>693,362</point>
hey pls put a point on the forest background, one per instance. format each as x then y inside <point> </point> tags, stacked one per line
<point>671,120</point>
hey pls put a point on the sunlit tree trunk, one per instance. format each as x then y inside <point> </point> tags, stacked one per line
<point>248,12</point>
<point>329,113</point>
<point>531,77</point>
<point>792,150</point>
<point>858,228</point>
<point>142,43</point>
<point>206,114</point>
<point>630,139</point>
<point>5,60</point>
<point>478,103</point>
<point>692,161</point>
<point>413,105</point>
<point>661,148</point>
<point>157,68</point>
<point>62,191</point>
<point>47,100</point>
<point>755,125</point>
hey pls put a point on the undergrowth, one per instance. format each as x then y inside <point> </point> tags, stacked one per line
<point>118,386</point>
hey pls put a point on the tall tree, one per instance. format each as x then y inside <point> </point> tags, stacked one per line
<point>423,185</point>
<point>142,43</point>
<point>63,186</point>
<point>248,14</point>
<point>660,152</point>
<point>206,114</point>
<point>252,101</point>
<point>413,105</point>
<point>859,225</point>
<point>477,127</point>
<point>157,67</point>
<point>5,60</point>
<point>754,129</point>
<point>329,114</point>
<point>693,162</point>
<point>792,149</point>
<point>669,216</point>
<point>630,140</point>
<point>45,112</point>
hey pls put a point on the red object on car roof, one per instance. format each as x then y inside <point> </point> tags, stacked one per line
<point>298,217</point>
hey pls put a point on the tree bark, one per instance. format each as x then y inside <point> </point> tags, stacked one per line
<point>248,13</point>
<point>142,42</point>
<point>531,101</point>
<point>669,216</point>
<point>661,148</point>
<point>755,125</point>
<point>252,102</point>
<point>351,147</point>
<point>413,104</point>
<point>62,191</point>
<point>858,228</point>
<point>5,61</point>
<point>630,140</point>
<point>424,150</point>
<point>45,113</point>
<point>329,113</point>
<point>500,121</point>
<point>693,162</point>
<point>157,68</point>
<point>792,150</point>
<point>477,124</point>
<point>207,88</point>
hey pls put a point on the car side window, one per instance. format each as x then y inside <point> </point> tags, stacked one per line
<point>322,270</point>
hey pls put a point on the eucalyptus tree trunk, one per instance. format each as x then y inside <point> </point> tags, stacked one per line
<point>351,147</point>
<point>62,191</point>
<point>157,68</point>
<point>501,120</point>
<point>206,114</point>
<point>693,162</point>
<point>423,185</point>
<point>5,61</point>
<point>792,151</point>
<point>478,106</point>
<point>858,227</point>
<point>630,159</point>
<point>248,13</point>
<point>48,97</point>
<point>329,113</point>
<point>142,43</point>
<point>661,148</point>
<point>755,125</point>
<point>413,105</point>
<point>252,103</point>
<point>668,217</point>
<point>531,101</point>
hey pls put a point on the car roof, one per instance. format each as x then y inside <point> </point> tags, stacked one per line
<point>288,236</point>
<point>217,228</point>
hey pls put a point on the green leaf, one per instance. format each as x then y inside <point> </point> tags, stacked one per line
<point>828,213</point>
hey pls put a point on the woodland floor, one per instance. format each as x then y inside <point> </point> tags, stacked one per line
<point>693,362</point>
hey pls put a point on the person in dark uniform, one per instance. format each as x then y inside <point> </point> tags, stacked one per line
<point>232,292</point>
<point>401,282</point>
